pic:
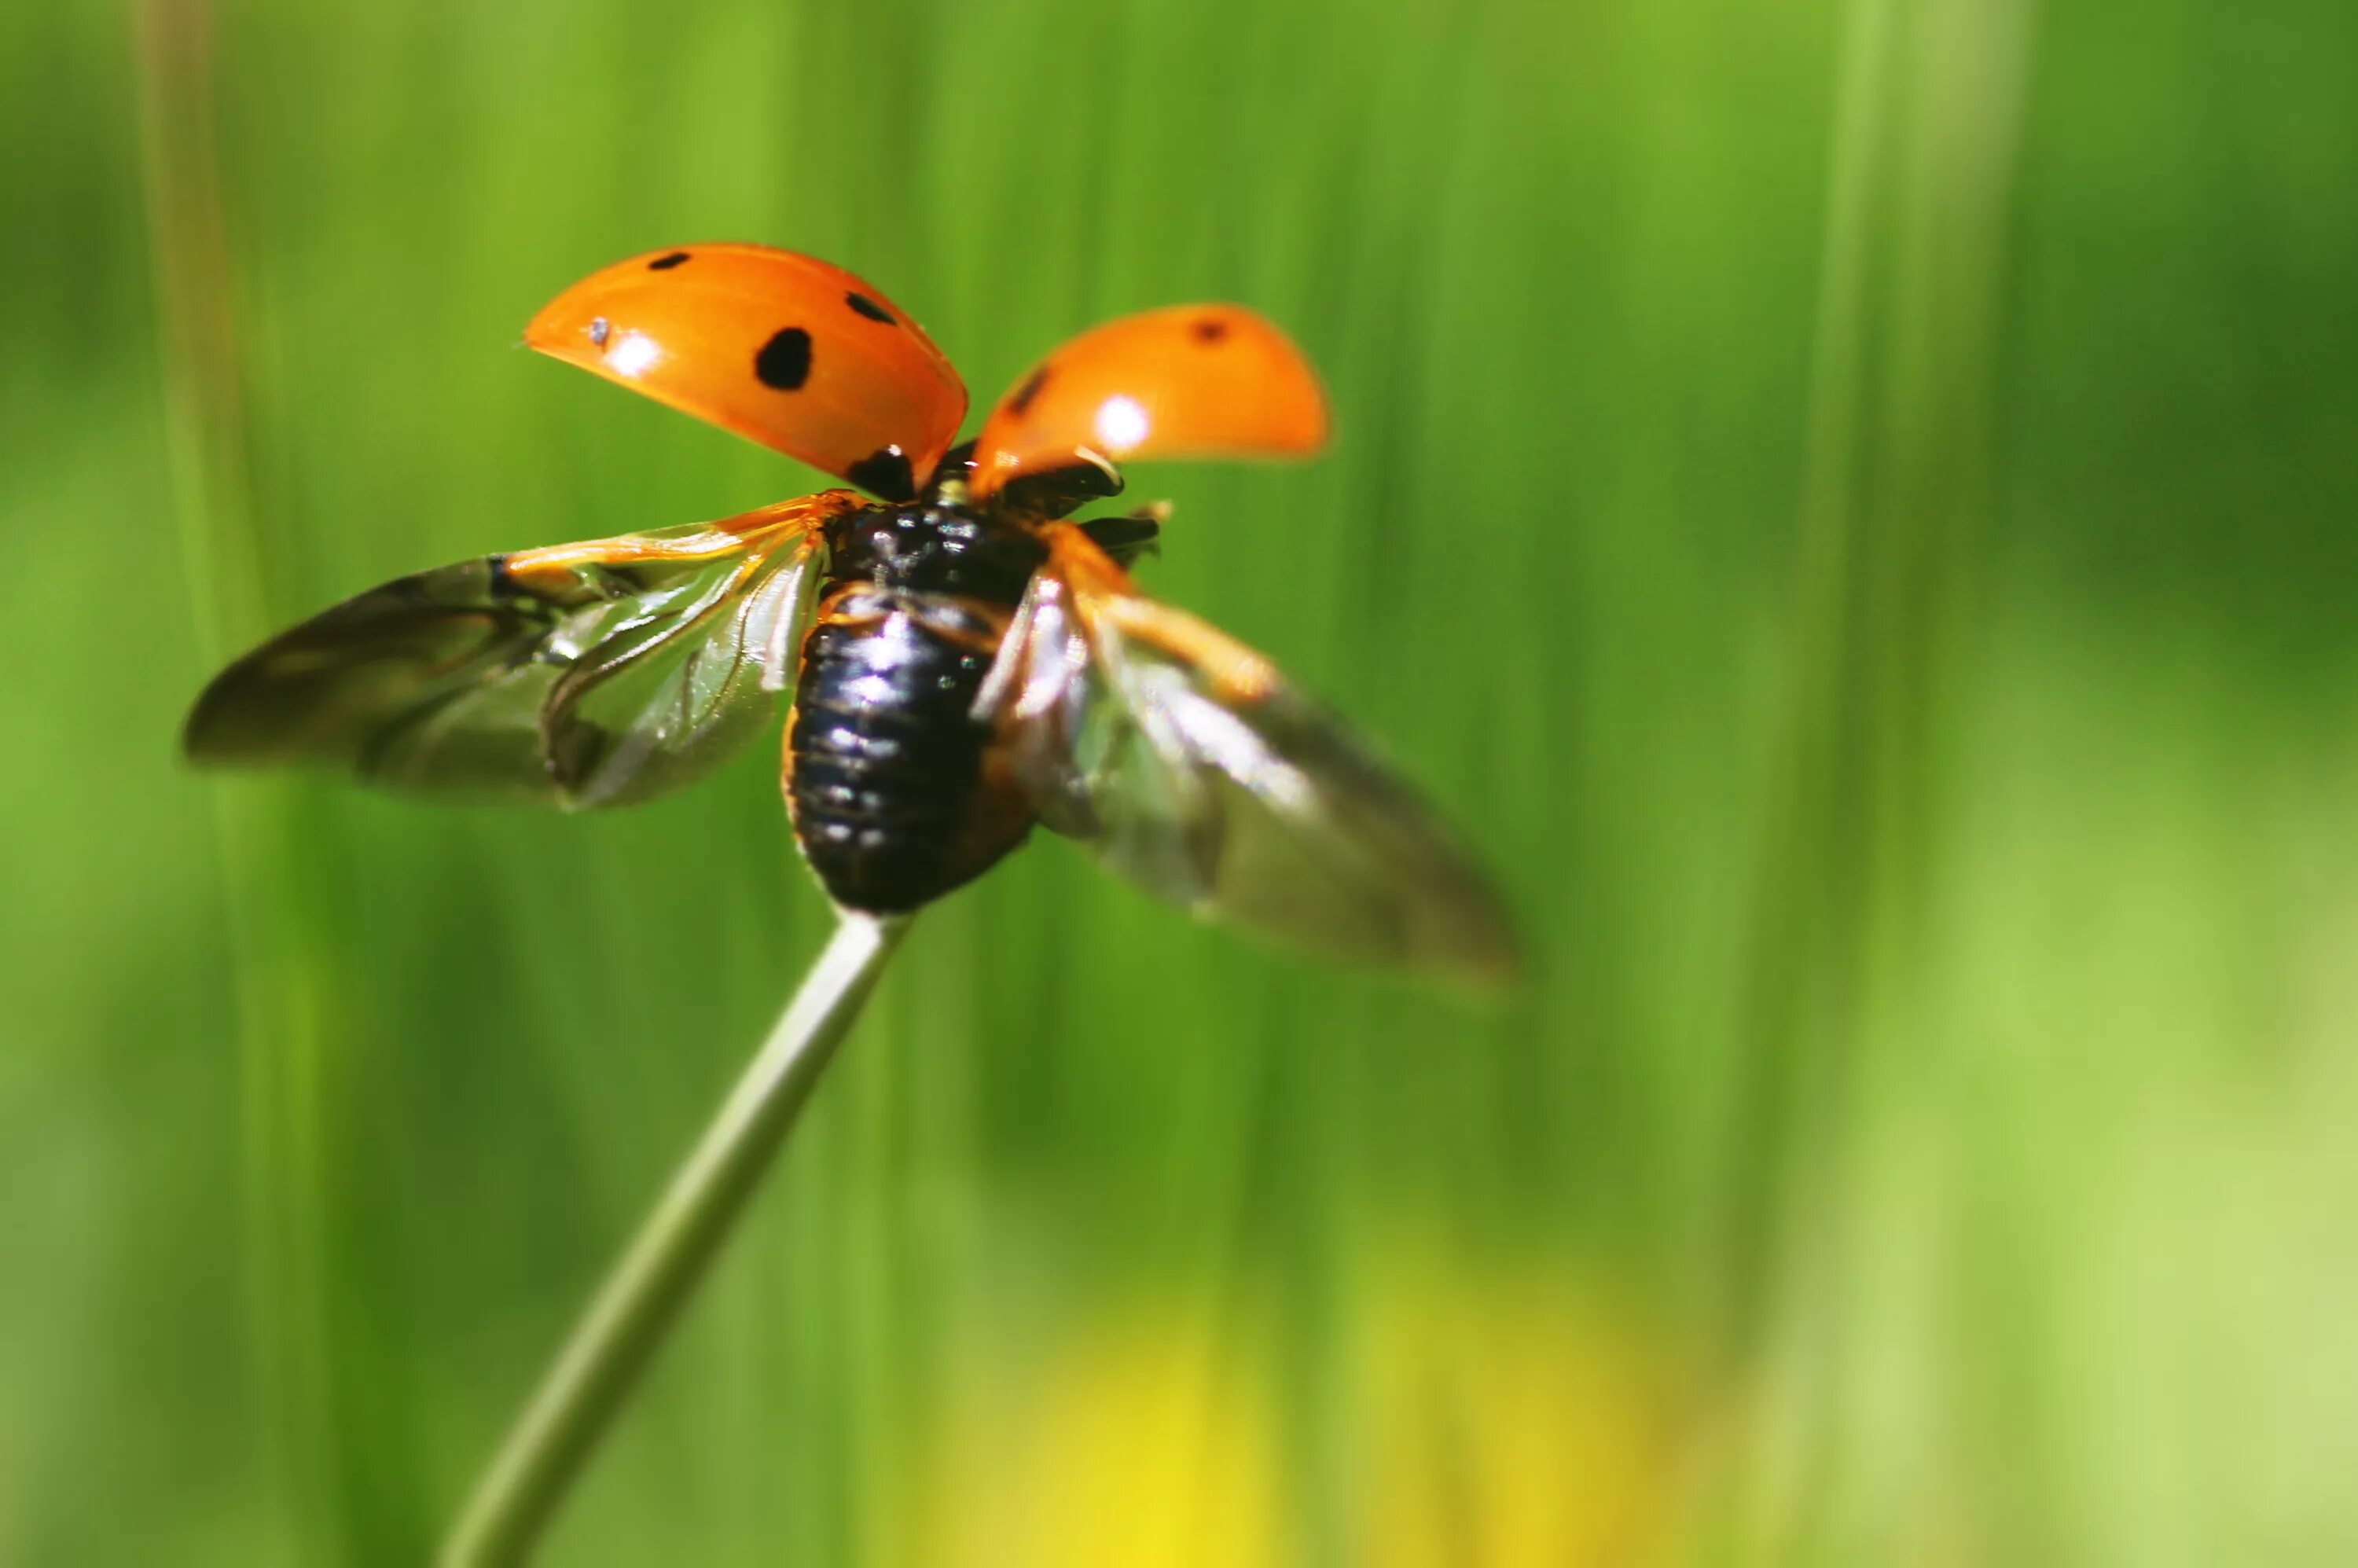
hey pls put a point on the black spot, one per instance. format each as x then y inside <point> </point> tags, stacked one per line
<point>784,360</point>
<point>1211,330</point>
<point>502,582</point>
<point>599,331</point>
<point>884,472</point>
<point>664,263</point>
<point>1024,394</point>
<point>868,307</point>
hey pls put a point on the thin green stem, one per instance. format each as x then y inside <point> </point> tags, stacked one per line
<point>626,1323</point>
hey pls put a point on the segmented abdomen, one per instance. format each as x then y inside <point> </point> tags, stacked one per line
<point>886,773</point>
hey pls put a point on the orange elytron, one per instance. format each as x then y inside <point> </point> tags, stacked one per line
<point>1191,381</point>
<point>965,660</point>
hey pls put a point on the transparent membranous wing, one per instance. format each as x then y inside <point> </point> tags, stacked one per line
<point>1188,766</point>
<point>583,676</point>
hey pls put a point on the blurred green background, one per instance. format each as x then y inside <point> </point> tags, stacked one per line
<point>1847,502</point>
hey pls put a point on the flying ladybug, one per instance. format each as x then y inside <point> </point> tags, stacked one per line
<point>964,659</point>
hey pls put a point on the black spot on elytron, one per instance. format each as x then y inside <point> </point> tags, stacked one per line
<point>599,330</point>
<point>664,263</point>
<point>884,472</point>
<point>1022,402</point>
<point>784,360</point>
<point>502,582</point>
<point>1211,330</point>
<point>868,307</point>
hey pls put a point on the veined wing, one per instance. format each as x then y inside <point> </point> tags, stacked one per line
<point>586,674</point>
<point>1188,763</point>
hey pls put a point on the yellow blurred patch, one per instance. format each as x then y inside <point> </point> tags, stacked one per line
<point>1480,1421</point>
<point>1144,1443</point>
<point>1512,1423</point>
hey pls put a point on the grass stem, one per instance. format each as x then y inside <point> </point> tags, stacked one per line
<point>633,1310</point>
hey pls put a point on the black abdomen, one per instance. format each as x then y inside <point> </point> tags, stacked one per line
<point>888,777</point>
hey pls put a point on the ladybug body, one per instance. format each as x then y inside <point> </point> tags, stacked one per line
<point>887,772</point>
<point>963,660</point>
<point>898,794</point>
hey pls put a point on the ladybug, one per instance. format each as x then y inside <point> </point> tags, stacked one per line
<point>963,658</point>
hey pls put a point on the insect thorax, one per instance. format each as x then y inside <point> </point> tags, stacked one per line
<point>934,549</point>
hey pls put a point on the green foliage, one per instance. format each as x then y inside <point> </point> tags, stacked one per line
<point>1846,505</point>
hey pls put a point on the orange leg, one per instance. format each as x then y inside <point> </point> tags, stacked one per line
<point>763,528</point>
<point>1104,592</point>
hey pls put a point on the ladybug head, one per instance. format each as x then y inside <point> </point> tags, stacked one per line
<point>1035,497</point>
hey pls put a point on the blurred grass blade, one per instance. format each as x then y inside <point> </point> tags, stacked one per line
<point>273,931</point>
